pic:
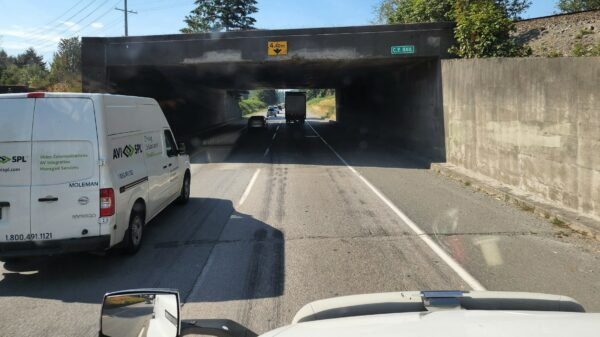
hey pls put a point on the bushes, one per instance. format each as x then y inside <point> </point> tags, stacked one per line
<point>251,105</point>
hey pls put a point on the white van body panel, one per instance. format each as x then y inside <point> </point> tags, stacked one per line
<point>64,167</point>
<point>16,119</point>
<point>68,146</point>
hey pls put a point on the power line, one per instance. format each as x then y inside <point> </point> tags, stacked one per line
<point>56,26</point>
<point>76,32</point>
<point>39,29</point>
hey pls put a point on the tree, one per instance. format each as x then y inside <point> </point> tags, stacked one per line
<point>32,75</point>
<point>214,15</point>
<point>483,30</point>
<point>5,60</point>
<point>30,57</point>
<point>415,11</point>
<point>570,6</point>
<point>65,72</point>
<point>514,8</point>
<point>477,32</point>
<point>268,96</point>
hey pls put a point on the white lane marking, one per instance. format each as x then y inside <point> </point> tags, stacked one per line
<point>449,260</point>
<point>249,187</point>
<point>274,135</point>
<point>142,332</point>
<point>267,151</point>
<point>277,128</point>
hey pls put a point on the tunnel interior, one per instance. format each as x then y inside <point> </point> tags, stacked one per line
<point>396,100</point>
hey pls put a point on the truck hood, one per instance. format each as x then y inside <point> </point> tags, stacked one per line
<point>450,323</point>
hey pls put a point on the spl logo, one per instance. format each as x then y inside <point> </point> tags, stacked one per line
<point>13,159</point>
<point>127,151</point>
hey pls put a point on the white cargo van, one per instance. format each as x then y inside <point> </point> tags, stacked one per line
<point>84,172</point>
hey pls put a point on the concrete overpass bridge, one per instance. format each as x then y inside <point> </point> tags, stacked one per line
<point>387,77</point>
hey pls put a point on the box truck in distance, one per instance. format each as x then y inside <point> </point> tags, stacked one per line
<point>295,107</point>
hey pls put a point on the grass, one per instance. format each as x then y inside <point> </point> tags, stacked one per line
<point>323,107</point>
<point>557,222</point>
<point>526,208</point>
<point>583,33</point>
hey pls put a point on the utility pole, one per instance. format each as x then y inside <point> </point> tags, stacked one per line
<point>125,12</point>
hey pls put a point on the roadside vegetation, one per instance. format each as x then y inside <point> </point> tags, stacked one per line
<point>486,28</point>
<point>29,68</point>
<point>483,27</point>
<point>322,107</point>
<point>257,101</point>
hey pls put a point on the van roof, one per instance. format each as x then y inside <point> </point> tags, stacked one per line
<point>74,95</point>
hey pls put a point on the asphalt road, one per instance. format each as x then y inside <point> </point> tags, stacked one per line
<point>277,219</point>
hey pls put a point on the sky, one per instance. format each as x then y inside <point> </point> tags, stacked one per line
<point>42,23</point>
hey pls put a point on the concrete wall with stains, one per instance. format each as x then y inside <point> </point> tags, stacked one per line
<point>532,123</point>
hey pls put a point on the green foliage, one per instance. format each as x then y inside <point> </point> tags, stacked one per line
<point>269,96</point>
<point>415,11</point>
<point>412,11</point>
<point>570,6</point>
<point>582,33</point>
<point>322,106</point>
<point>251,105</point>
<point>258,100</point>
<point>579,49</point>
<point>514,8</point>
<point>316,93</point>
<point>483,27</point>
<point>215,15</point>
<point>65,73</point>
<point>30,57</point>
<point>32,75</point>
<point>483,30</point>
<point>29,68</point>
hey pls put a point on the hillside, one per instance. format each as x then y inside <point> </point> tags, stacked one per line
<point>558,35</point>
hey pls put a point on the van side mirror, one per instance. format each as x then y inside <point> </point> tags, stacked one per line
<point>181,147</point>
<point>140,312</point>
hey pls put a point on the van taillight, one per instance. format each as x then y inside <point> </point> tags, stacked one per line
<point>107,202</point>
<point>36,95</point>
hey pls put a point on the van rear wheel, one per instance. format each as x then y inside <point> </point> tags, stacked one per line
<point>184,197</point>
<point>134,233</point>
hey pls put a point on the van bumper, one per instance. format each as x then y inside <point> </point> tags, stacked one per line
<point>54,247</point>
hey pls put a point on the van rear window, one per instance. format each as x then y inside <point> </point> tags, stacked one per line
<point>64,141</point>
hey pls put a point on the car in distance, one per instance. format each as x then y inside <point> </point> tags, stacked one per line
<point>272,112</point>
<point>84,172</point>
<point>257,122</point>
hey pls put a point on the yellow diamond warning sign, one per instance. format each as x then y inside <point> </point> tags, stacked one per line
<point>277,48</point>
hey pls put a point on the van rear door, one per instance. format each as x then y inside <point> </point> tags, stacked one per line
<point>16,116</point>
<point>65,173</point>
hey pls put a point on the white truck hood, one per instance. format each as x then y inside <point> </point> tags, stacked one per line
<point>450,323</point>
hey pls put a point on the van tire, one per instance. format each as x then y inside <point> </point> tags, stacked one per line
<point>134,234</point>
<point>184,195</point>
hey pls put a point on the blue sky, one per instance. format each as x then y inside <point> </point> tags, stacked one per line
<point>41,23</point>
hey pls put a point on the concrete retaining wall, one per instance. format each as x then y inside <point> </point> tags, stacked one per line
<point>531,123</point>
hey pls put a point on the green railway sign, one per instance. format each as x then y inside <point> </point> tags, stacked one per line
<point>400,50</point>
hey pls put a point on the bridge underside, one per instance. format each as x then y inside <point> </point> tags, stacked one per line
<point>378,94</point>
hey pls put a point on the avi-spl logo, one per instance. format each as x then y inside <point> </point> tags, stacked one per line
<point>127,151</point>
<point>13,159</point>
